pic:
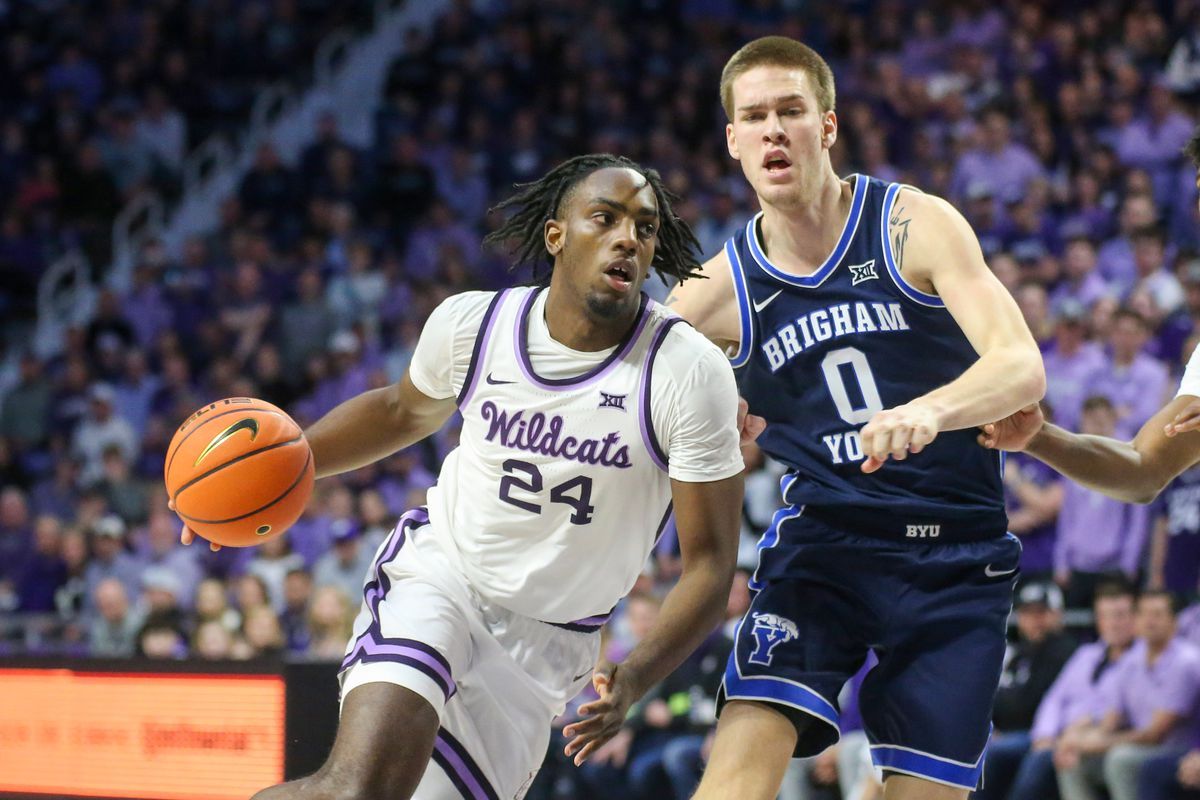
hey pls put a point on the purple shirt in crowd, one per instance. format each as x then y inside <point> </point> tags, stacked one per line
<point>1137,391</point>
<point>1087,291</point>
<point>1067,381</point>
<point>1139,690</point>
<point>1179,503</point>
<point>1037,544</point>
<point>1099,534</point>
<point>1007,173</point>
<point>1187,625</point>
<point>1079,692</point>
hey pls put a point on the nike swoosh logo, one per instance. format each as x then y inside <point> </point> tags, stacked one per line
<point>495,382</point>
<point>581,675</point>
<point>246,424</point>
<point>767,302</point>
<point>997,573</point>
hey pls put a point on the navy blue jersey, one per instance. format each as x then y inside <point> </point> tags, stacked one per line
<point>821,354</point>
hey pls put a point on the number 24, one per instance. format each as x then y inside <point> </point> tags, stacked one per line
<point>532,483</point>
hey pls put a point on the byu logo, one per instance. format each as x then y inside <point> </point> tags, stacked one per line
<point>770,631</point>
<point>923,531</point>
<point>612,400</point>
<point>863,272</point>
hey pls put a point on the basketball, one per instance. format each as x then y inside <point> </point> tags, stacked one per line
<point>239,471</point>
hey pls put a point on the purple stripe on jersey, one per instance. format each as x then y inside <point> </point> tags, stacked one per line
<point>372,645</point>
<point>418,655</point>
<point>481,342</point>
<point>458,764</point>
<point>648,438</point>
<point>587,378</point>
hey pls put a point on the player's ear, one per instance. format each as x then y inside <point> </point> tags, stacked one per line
<point>554,235</point>
<point>829,128</point>
<point>731,142</point>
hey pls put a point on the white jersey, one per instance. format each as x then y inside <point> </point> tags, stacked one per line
<point>560,485</point>
<point>1190,383</point>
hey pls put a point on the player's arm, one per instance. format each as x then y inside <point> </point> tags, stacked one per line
<point>938,253</point>
<point>374,425</point>
<point>707,517</point>
<point>709,303</point>
<point>1133,472</point>
<point>698,409</point>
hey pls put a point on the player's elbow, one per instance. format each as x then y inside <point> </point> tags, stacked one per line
<point>1031,377</point>
<point>1146,486</point>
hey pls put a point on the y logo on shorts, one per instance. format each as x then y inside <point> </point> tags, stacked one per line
<point>770,631</point>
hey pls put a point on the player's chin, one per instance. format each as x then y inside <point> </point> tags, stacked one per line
<point>608,303</point>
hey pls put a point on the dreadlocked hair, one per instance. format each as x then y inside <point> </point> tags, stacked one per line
<point>541,200</point>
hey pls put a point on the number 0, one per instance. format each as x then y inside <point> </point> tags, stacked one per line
<point>857,360</point>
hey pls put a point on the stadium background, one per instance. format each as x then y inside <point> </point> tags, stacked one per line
<point>201,199</point>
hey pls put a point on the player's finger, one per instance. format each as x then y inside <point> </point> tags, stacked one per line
<point>594,709</point>
<point>186,536</point>
<point>898,442</point>
<point>871,464</point>
<point>985,441</point>
<point>743,410</point>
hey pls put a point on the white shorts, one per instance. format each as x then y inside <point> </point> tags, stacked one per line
<point>497,679</point>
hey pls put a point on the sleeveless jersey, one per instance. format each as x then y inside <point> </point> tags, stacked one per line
<point>821,354</point>
<point>558,489</point>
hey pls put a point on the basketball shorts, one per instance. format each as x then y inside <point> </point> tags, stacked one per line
<point>934,614</point>
<point>497,679</point>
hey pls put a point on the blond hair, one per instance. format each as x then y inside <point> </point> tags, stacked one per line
<point>778,51</point>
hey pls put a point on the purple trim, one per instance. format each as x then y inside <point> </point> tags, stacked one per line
<point>587,378</point>
<point>662,524</point>
<point>648,438</point>
<point>372,646</point>
<point>462,770</point>
<point>481,342</point>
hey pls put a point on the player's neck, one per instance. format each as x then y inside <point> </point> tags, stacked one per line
<point>799,238</point>
<point>572,325</point>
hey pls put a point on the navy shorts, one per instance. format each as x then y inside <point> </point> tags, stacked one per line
<point>935,615</point>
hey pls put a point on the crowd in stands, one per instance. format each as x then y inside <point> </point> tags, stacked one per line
<point>1056,127</point>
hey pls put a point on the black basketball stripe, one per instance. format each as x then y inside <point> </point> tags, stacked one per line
<point>171,455</point>
<point>235,460</point>
<point>285,493</point>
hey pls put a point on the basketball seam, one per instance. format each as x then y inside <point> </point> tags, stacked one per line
<point>171,455</point>
<point>283,494</point>
<point>234,460</point>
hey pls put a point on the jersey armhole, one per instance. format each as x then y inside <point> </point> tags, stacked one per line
<point>649,439</point>
<point>741,291</point>
<point>482,339</point>
<point>889,257</point>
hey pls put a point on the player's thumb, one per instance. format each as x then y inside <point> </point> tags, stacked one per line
<point>602,677</point>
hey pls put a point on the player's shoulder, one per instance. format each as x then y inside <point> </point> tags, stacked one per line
<point>464,308</point>
<point>683,347</point>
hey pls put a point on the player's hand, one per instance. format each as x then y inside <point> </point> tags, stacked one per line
<point>601,719</point>
<point>1186,420</point>
<point>187,535</point>
<point>1189,770</point>
<point>749,425</point>
<point>1014,432</point>
<point>896,432</point>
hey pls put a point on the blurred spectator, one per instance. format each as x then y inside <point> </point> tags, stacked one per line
<point>212,642</point>
<point>1175,544</point>
<point>45,571</point>
<point>212,605</point>
<point>1097,536</point>
<point>1031,667</point>
<point>114,632</point>
<point>1152,707</point>
<point>15,543</point>
<point>1034,493</point>
<point>346,565</point>
<point>330,619</point>
<point>110,559</point>
<point>263,633</point>
<point>271,562</point>
<point>161,638</point>
<point>25,409</point>
<point>1076,700</point>
<point>102,429</point>
<point>1133,381</point>
<point>297,595</point>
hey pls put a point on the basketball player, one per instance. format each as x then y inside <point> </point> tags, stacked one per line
<point>871,336</point>
<point>1134,472</point>
<point>588,412</point>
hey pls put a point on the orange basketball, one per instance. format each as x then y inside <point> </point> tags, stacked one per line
<point>239,471</point>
